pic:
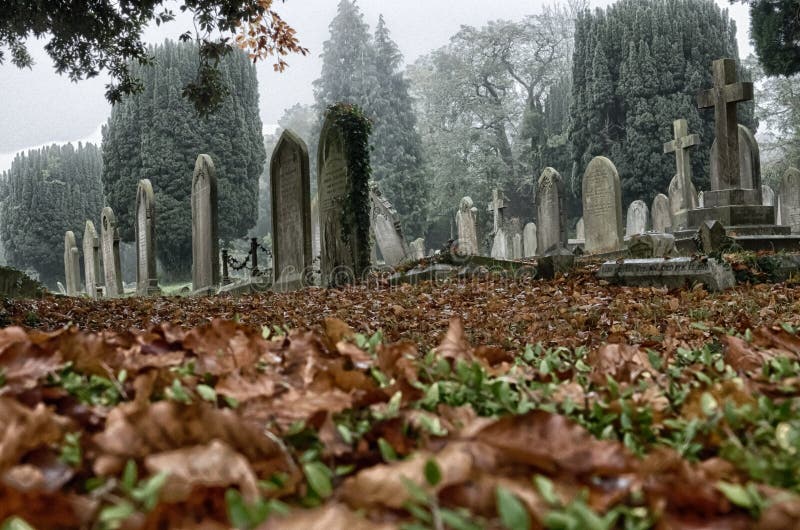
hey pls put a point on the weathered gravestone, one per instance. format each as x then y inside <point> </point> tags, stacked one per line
<point>637,219</point>
<point>767,196</point>
<point>388,232</point>
<point>652,245</point>
<point>701,203</point>
<point>72,264</point>
<point>91,260</point>
<point>529,240</point>
<point>735,194</point>
<point>790,199</point>
<point>713,237</point>
<point>343,209</point>
<point>580,230</point>
<point>290,184</point>
<point>516,246</point>
<point>467,231</point>
<point>681,189</point>
<point>662,217</point>
<point>502,246</point>
<point>602,207</point>
<point>109,244</point>
<point>672,273</point>
<point>205,239</point>
<point>146,279</point>
<point>551,211</point>
<point>417,248</point>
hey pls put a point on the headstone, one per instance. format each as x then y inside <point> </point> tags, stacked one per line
<point>72,264</point>
<point>672,273</point>
<point>516,246</point>
<point>713,237</point>
<point>749,162</point>
<point>637,219</point>
<point>418,248</point>
<point>345,246</point>
<point>767,196</point>
<point>700,201</point>
<point>502,245</point>
<point>529,240</point>
<point>559,261</point>
<point>91,260</point>
<point>679,209</point>
<point>790,199</point>
<point>580,231</point>
<point>205,241</point>
<point>388,232</point>
<point>652,245</point>
<point>146,279</point>
<point>109,244</point>
<point>662,217</point>
<point>290,184</point>
<point>61,288</point>
<point>315,233</point>
<point>496,208</point>
<point>602,207</point>
<point>551,212</point>
<point>684,189</point>
<point>467,231</point>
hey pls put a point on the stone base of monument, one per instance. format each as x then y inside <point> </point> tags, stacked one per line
<point>734,215</point>
<point>776,243</point>
<point>205,291</point>
<point>652,245</point>
<point>672,273</point>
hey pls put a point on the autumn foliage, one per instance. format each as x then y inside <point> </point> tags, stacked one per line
<point>560,404</point>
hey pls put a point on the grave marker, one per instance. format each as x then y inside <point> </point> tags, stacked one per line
<point>790,199</point>
<point>530,240</point>
<point>145,227</point>
<point>602,207</point>
<point>205,241</point>
<point>637,219</point>
<point>465,224</point>
<point>662,216</point>
<point>683,175</point>
<point>290,184</point>
<point>72,264</point>
<point>109,243</point>
<point>91,260</point>
<point>551,212</point>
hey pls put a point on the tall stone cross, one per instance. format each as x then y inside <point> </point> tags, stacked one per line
<point>496,207</point>
<point>680,146</point>
<point>724,97</point>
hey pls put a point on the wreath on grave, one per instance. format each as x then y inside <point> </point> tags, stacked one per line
<point>355,128</point>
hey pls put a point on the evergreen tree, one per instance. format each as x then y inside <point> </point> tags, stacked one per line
<point>157,135</point>
<point>637,67</point>
<point>46,192</point>
<point>396,158</point>
<point>775,32</point>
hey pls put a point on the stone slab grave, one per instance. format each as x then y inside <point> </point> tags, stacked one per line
<point>661,215</point>
<point>637,219</point>
<point>205,230</point>
<point>72,264</point>
<point>290,184</point>
<point>91,261</point>
<point>551,212</point>
<point>735,194</point>
<point>387,230</point>
<point>681,189</point>
<point>440,268</point>
<point>109,244</point>
<point>145,228</point>
<point>602,207</point>
<point>466,218</point>
<point>344,246</point>
<point>672,273</point>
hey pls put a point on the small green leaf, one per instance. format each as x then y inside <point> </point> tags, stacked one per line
<point>512,512</point>
<point>433,474</point>
<point>387,451</point>
<point>344,433</point>
<point>708,404</point>
<point>129,476</point>
<point>736,493</point>
<point>319,478</point>
<point>16,523</point>
<point>546,490</point>
<point>207,393</point>
<point>112,516</point>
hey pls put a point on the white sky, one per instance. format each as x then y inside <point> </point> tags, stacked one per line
<point>39,107</point>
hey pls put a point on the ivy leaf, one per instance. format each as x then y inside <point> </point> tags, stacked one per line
<point>512,512</point>
<point>319,478</point>
<point>433,474</point>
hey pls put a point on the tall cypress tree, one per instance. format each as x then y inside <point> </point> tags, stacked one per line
<point>397,154</point>
<point>46,192</point>
<point>637,67</point>
<point>158,135</point>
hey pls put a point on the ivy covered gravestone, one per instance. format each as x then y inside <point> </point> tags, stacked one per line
<point>343,191</point>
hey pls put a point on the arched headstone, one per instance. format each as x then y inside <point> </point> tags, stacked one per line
<point>467,231</point>
<point>767,195</point>
<point>205,239</point>
<point>91,260</point>
<point>790,199</point>
<point>109,244</point>
<point>530,240</point>
<point>291,212</point>
<point>602,207</point>
<point>637,219</point>
<point>662,217</point>
<point>145,228</point>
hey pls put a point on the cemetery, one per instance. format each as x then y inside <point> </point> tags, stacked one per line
<point>583,348</point>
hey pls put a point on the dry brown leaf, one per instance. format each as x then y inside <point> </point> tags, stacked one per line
<point>331,516</point>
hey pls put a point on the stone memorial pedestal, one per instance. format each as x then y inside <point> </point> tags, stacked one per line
<point>672,273</point>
